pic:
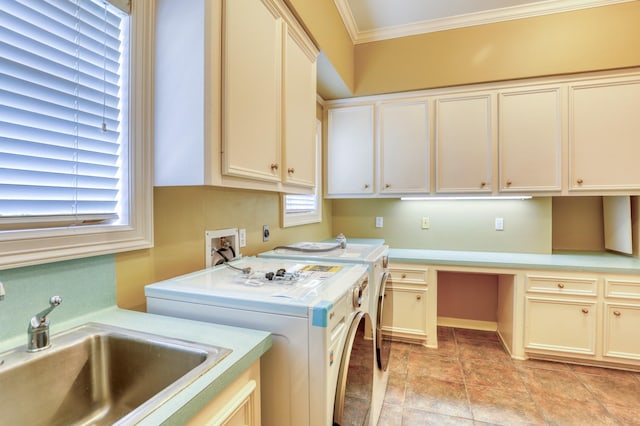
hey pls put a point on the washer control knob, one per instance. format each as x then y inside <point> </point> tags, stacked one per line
<point>357,297</point>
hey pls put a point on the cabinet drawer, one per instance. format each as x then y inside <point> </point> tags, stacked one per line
<point>408,276</point>
<point>622,288</point>
<point>562,285</point>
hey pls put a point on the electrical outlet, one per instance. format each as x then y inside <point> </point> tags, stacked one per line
<point>425,222</point>
<point>379,222</point>
<point>265,233</point>
<point>499,224</point>
<point>242,234</point>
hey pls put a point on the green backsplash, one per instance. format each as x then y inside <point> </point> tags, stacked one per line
<point>85,285</point>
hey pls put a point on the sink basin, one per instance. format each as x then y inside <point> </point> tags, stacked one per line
<point>98,374</point>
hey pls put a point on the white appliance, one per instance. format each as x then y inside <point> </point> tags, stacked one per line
<point>375,257</point>
<point>316,312</point>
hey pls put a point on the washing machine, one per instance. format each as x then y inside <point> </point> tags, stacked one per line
<point>318,371</point>
<point>375,258</point>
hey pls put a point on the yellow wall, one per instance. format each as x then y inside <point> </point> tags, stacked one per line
<point>181,217</point>
<point>578,223</point>
<point>585,40</point>
<point>323,22</point>
<point>455,225</point>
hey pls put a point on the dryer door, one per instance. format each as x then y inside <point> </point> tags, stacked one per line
<point>355,379</point>
<point>383,341</point>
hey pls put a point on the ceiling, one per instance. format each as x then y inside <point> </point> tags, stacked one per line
<point>372,20</point>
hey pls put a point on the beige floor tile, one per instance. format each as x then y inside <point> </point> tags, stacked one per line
<point>481,372</point>
<point>437,396</point>
<point>503,406</point>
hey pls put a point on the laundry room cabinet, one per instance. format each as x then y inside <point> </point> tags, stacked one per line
<point>235,96</point>
<point>406,303</point>
<point>350,151</point>
<point>464,143</point>
<point>237,404</point>
<point>604,145</point>
<point>589,317</point>
<point>530,139</point>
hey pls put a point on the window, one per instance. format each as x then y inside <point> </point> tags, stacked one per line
<point>75,121</point>
<point>306,208</point>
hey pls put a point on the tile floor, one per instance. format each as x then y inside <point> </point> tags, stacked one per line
<point>471,380</point>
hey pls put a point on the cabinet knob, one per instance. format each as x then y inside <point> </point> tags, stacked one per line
<point>508,183</point>
<point>386,185</point>
<point>585,311</point>
<point>403,275</point>
<point>483,184</point>
<point>580,181</point>
<point>291,170</point>
<point>560,285</point>
<point>274,166</point>
<point>418,297</point>
<point>617,313</point>
<point>366,186</point>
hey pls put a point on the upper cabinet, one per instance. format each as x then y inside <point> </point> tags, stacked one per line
<point>604,134</point>
<point>350,151</point>
<point>572,135</point>
<point>404,147</point>
<point>464,151</point>
<point>530,139</point>
<point>235,96</point>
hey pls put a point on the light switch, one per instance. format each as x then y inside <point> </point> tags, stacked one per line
<point>499,224</point>
<point>379,222</point>
<point>425,222</point>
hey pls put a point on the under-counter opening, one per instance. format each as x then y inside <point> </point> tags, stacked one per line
<point>479,301</point>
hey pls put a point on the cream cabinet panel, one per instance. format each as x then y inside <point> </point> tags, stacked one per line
<point>237,405</point>
<point>350,151</point>
<point>604,135</point>
<point>409,313</point>
<point>560,325</point>
<point>621,331</point>
<point>300,112</point>
<point>252,76</point>
<point>530,140</point>
<point>404,147</point>
<point>464,143</point>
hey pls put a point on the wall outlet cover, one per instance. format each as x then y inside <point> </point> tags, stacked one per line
<point>379,222</point>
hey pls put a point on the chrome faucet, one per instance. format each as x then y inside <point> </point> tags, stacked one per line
<point>39,327</point>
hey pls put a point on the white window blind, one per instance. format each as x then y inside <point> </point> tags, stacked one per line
<point>63,153</point>
<point>300,203</point>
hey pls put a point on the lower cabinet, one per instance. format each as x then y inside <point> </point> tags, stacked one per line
<point>405,307</point>
<point>557,324</point>
<point>237,405</point>
<point>591,318</point>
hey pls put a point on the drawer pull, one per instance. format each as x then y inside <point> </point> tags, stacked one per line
<point>418,297</point>
<point>331,314</point>
<point>585,311</point>
<point>274,166</point>
<point>291,170</point>
<point>560,285</point>
<point>580,181</point>
<point>617,313</point>
<point>403,276</point>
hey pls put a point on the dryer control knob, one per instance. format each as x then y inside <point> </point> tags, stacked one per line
<point>357,297</point>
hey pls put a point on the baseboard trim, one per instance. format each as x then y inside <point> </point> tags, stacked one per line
<point>468,323</point>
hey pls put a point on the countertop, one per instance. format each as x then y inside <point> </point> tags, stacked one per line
<point>569,261</point>
<point>247,347</point>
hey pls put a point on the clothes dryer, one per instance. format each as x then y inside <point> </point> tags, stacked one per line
<point>318,371</point>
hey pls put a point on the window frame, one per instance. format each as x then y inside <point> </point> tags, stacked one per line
<point>314,216</point>
<point>33,246</point>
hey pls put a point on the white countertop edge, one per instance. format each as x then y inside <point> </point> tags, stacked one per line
<point>247,346</point>
<point>579,262</point>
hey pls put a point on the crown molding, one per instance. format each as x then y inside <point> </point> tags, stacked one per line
<point>479,18</point>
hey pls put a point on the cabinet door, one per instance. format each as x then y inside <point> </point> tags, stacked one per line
<point>350,155</point>
<point>463,144</point>
<point>530,140</point>
<point>604,135</point>
<point>404,147</point>
<point>560,325</point>
<point>621,328</point>
<point>252,76</point>
<point>409,313</point>
<point>299,112</point>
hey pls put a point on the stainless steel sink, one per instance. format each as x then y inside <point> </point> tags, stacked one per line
<point>98,374</point>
